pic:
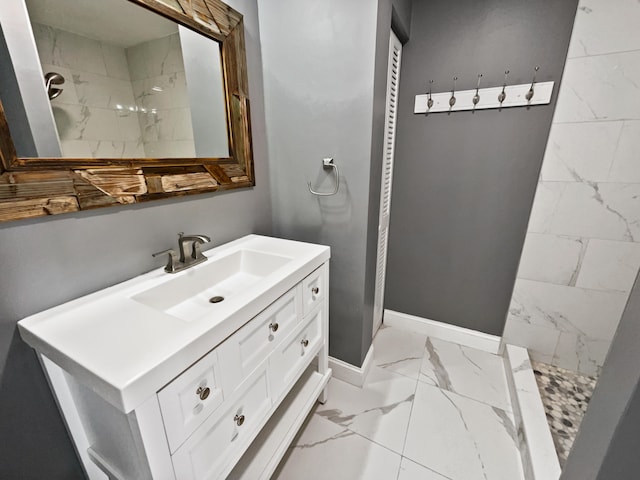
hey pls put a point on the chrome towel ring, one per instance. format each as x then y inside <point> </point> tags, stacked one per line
<point>328,163</point>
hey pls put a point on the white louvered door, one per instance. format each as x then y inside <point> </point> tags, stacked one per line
<point>393,79</point>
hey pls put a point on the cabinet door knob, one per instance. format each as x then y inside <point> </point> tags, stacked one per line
<point>273,327</point>
<point>305,343</point>
<point>239,419</point>
<point>203,393</point>
<point>315,290</point>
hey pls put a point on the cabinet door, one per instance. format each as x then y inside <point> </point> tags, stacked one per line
<point>190,398</point>
<point>241,353</point>
<point>206,453</point>
<point>294,354</point>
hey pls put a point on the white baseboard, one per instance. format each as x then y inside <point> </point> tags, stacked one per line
<point>443,331</point>
<point>349,373</point>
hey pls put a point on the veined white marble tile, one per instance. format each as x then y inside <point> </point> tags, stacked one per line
<point>551,258</point>
<point>75,148</point>
<point>129,128</point>
<point>399,351</point>
<point>413,471</point>
<point>579,152</point>
<point>540,339</point>
<point>610,265</point>
<point>167,125</point>
<point>605,87</point>
<point>575,310</point>
<point>101,91</point>
<point>625,163</point>
<point>326,450</point>
<point>598,210</point>
<point>115,60</point>
<point>378,411</point>
<point>161,56</point>
<point>79,122</point>
<point>581,354</point>
<point>66,49</point>
<point>461,438</point>
<point>605,27</point>
<point>466,371</point>
<point>170,148</point>
<point>162,92</point>
<point>547,197</point>
<point>116,149</point>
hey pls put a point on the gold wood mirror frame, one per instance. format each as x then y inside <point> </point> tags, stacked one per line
<point>34,187</point>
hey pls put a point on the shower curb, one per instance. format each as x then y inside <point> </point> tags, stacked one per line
<point>538,453</point>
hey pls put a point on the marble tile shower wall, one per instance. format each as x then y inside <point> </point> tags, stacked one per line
<point>582,250</point>
<point>93,113</point>
<point>160,90</point>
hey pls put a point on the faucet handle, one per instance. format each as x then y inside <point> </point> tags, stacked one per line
<point>171,259</point>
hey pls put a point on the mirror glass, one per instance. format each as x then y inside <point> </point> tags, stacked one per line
<point>124,82</point>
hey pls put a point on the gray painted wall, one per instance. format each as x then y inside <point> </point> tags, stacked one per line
<point>319,61</point>
<point>48,261</point>
<point>464,182</point>
<point>606,447</point>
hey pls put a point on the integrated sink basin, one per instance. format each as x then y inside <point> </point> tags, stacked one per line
<point>196,292</point>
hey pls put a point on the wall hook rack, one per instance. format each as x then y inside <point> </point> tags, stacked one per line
<point>328,163</point>
<point>503,96</point>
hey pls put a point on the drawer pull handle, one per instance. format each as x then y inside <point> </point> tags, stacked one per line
<point>315,290</point>
<point>273,327</point>
<point>203,393</point>
<point>239,419</point>
<point>305,343</point>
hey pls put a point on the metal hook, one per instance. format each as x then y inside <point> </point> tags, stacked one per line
<point>530,93</point>
<point>502,95</point>
<point>452,100</point>
<point>328,163</point>
<point>476,97</point>
<point>430,100</point>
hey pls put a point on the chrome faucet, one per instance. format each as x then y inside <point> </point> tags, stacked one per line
<point>189,255</point>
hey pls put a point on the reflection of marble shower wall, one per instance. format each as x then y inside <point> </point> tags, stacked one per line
<point>88,119</point>
<point>160,89</point>
<point>582,250</point>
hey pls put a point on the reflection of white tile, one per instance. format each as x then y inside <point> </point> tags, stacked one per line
<point>610,265</point>
<point>537,338</point>
<point>167,125</point>
<point>412,471</point>
<point>161,92</point>
<point>100,91</point>
<point>604,210</point>
<point>116,149</point>
<point>605,87</point>
<point>170,149</point>
<point>466,371</point>
<point>551,258</point>
<point>75,122</point>
<point>580,151</point>
<point>605,27</point>
<point>75,148</point>
<point>115,60</point>
<point>581,354</point>
<point>161,56</point>
<point>326,450</point>
<point>129,128</point>
<point>625,164</point>
<point>547,197</point>
<point>378,411</point>
<point>77,52</point>
<point>399,351</point>
<point>567,309</point>
<point>460,438</point>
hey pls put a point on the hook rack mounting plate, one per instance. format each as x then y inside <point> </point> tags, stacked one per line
<point>488,98</point>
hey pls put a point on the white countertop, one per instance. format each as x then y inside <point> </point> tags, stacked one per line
<point>126,351</point>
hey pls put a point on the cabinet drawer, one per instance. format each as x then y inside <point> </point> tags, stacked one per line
<point>208,450</point>
<point>190,398</point>
<point>241,353</point>
<point>313,290</point>
<point>295,353</point>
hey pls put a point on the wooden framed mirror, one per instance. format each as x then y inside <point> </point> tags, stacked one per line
<point>33,186</point>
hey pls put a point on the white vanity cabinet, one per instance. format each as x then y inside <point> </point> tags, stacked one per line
<point>230,414</point>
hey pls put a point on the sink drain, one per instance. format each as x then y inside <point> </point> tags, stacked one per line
<point>216,299</point>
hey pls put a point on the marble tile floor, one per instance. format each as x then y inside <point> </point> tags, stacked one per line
<point>565,396</point>
<point>429,410</point>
